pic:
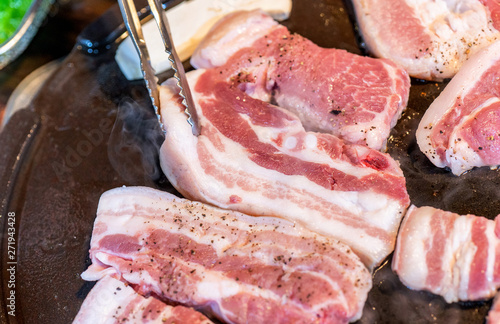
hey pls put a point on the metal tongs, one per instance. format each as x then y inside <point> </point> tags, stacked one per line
<point>134,28</point>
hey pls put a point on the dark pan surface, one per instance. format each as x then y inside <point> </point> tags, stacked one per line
<point>90,130</point>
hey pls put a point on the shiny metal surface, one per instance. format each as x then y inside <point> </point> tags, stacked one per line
<point>133,24</point>
<point>180,75</point>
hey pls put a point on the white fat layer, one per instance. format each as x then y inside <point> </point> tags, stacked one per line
<point>456,260</point>
<point>457,29</point>
<point>449,17</point>
<point>135,277</point>
<point>459,87</point>
<point>103,301</point>
<point>311,141</point>
<point>460,156</point>
<point>413,269</point>
<point>264,199</point>
<point>309,151</point>
<point>190,21</point>
<point>109,299</point>
<point>380,208</point>
<point>133,201</point>
<point>463,252</point>
<point>96,272</point>
<point>290,142</point>
<point>153,209</point>
<point>371,201</point>
<point>453,26</point>
<point>237,36</point>
<point>215,287</point>
<point>466,256</point>
<point>492,250</point>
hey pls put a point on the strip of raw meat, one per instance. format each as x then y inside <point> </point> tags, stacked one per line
<point>457,257</point>
<point>257,158</point>
<point>494,313</point>
<point>112,301</point>
<point>461,129</point>
<point>244,269</point>
<point>431,39</point>
<point>356,98</point>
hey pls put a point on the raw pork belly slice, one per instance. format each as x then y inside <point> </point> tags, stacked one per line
<point>494,313</point>
<point>112,301</point>
<point>461,129</point>
<point>457,257</point>
<point>356,98</point>
<point>245,269</point>
<point>256,158</point>
<point>431,39</point>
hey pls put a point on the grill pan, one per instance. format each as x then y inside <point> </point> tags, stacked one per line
<point>90,130</point>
